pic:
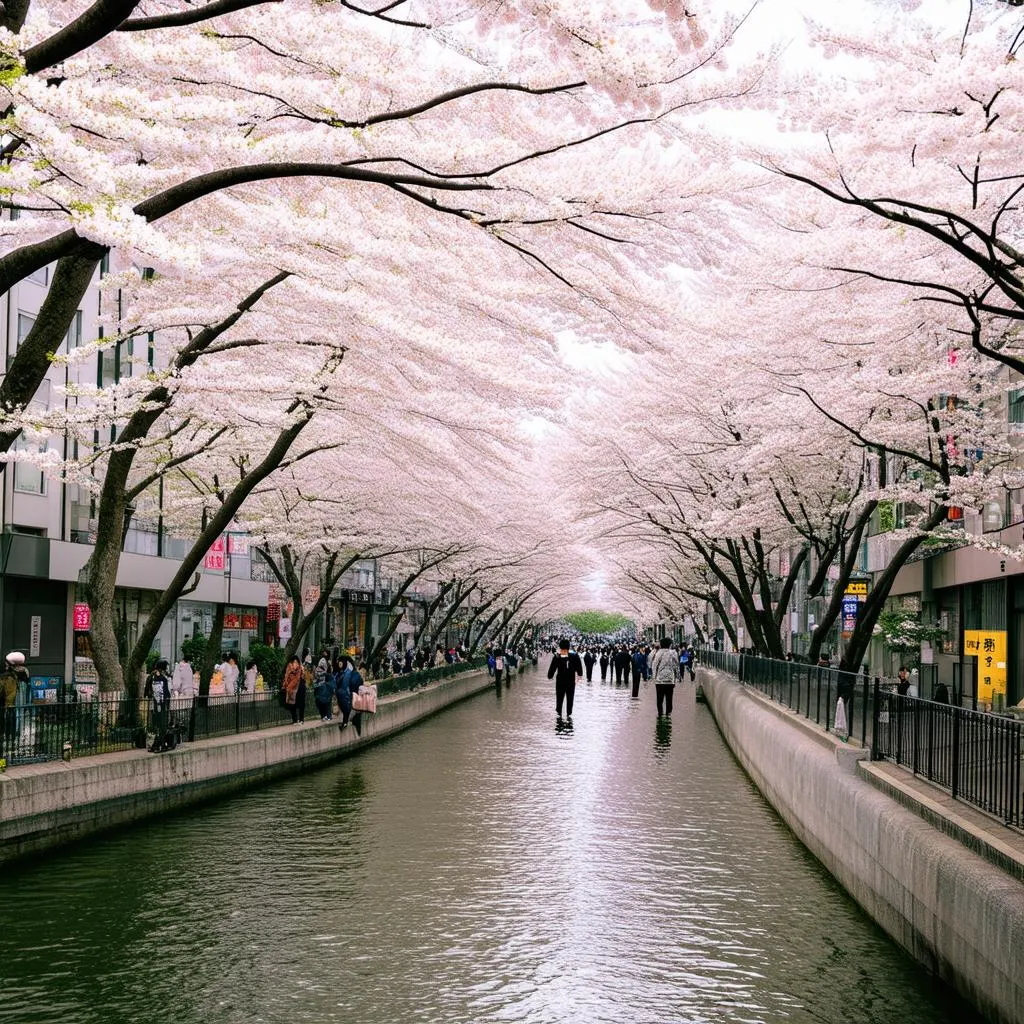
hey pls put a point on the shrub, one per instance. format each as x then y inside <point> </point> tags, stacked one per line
<point>269,661</point>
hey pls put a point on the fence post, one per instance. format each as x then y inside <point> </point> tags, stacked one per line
<point>875,707</point>
<point>955,780</point>
<point>1014,812</point>
<point>864,713</point>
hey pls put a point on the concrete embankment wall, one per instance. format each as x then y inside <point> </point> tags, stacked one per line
<point>952,910</point>
<point>45,806</point>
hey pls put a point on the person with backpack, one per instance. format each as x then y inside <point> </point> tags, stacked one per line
<point>686,662</point>
<point>588,663</point>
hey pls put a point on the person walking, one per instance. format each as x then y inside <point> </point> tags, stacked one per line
<point>565,668</point>
<point>637,667</point>
<point>666,673</point>
<point>588,663</point>
<point>622,663</point>
<point>342,677</point>
<point>294,687</point>
<point>686,661</point>
<point>499,666</point>
<point>603,662</point>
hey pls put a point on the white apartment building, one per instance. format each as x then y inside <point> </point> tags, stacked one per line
<point>46,529</point>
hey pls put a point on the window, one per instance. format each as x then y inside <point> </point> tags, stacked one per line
<point>74,336</point>
<point>39,276</point>
<point>1015,410</point>
<point>25,323</point>
<point>107,366</point>
<point>41,399</point>
<point>28,478</point>
<point>82,515</point>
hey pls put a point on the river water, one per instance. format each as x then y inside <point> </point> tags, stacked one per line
<point>483,866</point>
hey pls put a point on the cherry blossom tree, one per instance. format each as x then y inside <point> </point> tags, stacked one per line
<point>122,121</point>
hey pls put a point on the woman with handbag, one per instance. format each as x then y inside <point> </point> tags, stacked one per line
<point>294,688</point>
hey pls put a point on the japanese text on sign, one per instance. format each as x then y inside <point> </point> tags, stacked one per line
<point>989,647</point>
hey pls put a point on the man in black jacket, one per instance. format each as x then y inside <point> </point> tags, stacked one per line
<point>565,669</point>
<point>588,663</point>
<point>623,663</point>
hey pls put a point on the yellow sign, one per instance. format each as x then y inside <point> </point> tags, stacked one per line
<point>989,647</point>
<point>857,589</point>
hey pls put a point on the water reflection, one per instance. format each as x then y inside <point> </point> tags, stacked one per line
<point>477,868</point>
<point>662,735</point>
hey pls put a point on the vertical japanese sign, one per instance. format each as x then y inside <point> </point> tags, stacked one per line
<point>849,616</point>
<point>215,556</point>
<point>989,647</point>
<point>82,618</point>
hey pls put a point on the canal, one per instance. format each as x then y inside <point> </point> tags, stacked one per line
<point>483,866</point>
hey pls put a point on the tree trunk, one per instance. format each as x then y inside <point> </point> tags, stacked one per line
<point>28,366</point>
<point>218,523</point>
<point>212,651</point>
<point>857,647</point>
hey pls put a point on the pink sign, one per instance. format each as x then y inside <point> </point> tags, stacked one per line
<point>215,556</point>
<point>82,618</point>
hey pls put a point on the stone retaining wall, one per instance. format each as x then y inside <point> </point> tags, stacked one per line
<point>953,911</point>
<point>47,805</point>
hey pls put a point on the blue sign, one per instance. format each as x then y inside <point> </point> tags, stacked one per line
<point>45,689</point>
<point>849,614</point>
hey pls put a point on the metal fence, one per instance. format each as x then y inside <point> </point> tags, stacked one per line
<point>974,755</point>
<point>47,732</point>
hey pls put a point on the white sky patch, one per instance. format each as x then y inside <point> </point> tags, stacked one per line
<point>600,358</point>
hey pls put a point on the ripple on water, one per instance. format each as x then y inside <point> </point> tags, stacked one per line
<point>483,866</point>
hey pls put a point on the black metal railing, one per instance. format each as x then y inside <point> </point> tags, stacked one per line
<point>812,691</point>
<point>975,756</point>
<point>75,728</point>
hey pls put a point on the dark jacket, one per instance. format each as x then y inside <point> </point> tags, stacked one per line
<point>566,667</point>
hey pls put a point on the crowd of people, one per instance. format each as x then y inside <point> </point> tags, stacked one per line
<point>624,661</point>
<point>332,678</point>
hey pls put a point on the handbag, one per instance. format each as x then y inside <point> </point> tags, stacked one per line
<point>365,699</point>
